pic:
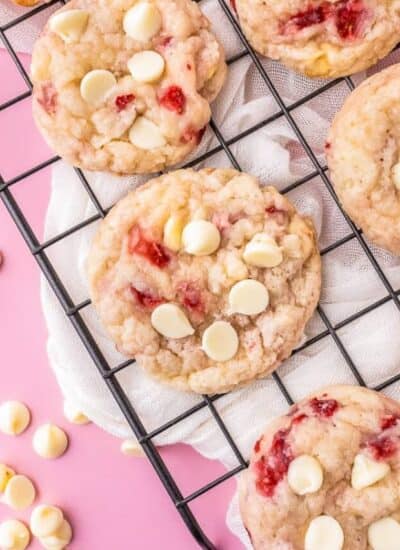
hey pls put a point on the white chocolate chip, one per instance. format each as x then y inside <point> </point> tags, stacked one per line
<point>46,520</point>
<point>59,539</point>
<point>19,493</point>
<point>130,447</point>
<point>170,321</point>
<point>74,415</point>
<point>305,475</point>
<point>50,441</point>
<point>396,175</point>
<point>324,532</point>
<point>366,472</point>
<point>96,85</point>
<point>173,232</point>
<point>200,238</point>
<point>145,134</point>
<point>220,341</point>
<point>146,66</point>
<point>69,25</point>
<point>6,474</point>
<point>248,297</point>
<point>14,535</point>
<point>384,534</point>
<point>142,21</point>
<point>14,417</point>
<point>262,251</point>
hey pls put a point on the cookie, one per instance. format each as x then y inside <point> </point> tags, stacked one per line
<point>206,278</point>
<point>322,38</point>
<point>125,86</point>
<point>363,155</point>
<point>327,475</point>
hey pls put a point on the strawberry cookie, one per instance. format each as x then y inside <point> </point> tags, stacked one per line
<point>363,154</point>
<point>327,475</point>
<point>322,38</point>
<point>125,86</point>
<point>206,278</point>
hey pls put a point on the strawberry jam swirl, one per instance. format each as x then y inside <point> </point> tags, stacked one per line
<point>152,251</point>
<point>349,18</point>
<point>385,445</point>
<point>145,298</point>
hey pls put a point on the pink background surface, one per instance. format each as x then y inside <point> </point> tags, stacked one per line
<point>114,502</point>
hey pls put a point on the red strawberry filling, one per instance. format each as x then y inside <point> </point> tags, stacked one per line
<point>382,447</point>
<point>257,445</point>
<point>122,101</point>
<point>173,99</point>
<point>349,19</point>
<point>154,252</point>
<point>272,467</point>
<point>48,99</point>
<point>191,134</point>
<point>389,421</point>
<point>145,298</point>
<point>324,407</point>
<point>190,296</point>
<point>233,4</point>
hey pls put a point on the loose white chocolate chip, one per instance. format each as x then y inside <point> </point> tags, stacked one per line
<point>396,175</point>
<point>74,415</point>
<point>14,535</point>
<point>147,66</point>
<point>130,447</point>
<point>262,251</point>
<point>384,534</point>
<point>59,539</point>
<point>200,238</point>
<point>305,475</point>
<point>69,25</point>
<point>46,520</point>
<point>170,321</point>
<point>96,85</point>
<point>248,297</point>
<point>145,134</point>
<point>173,232</point>
<point>6,474</point>
<point>14,417</point>
<point>19,493</point>
<point>50,441</point>
<point>366,472</point>
<point>220,341</point>
<point>324,532</point>
<point>142,21</point>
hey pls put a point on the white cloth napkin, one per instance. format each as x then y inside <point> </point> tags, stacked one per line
<point>350,283</point>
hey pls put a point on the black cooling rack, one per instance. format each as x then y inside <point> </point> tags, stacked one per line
<point>73,310</point>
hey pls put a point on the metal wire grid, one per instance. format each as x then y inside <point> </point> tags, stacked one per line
<point>73,310</point>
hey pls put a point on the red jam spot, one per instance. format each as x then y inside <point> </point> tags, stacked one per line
<point>324,407</point>
<point>349,18</point>
<point>190,297</point>
<point>233,4</point>
<point>122,101</point>
<point>299,418</point>
<point>154,252</point>
<point>314,15</point>
<point>145,298</point>
<point>257,445</point>
<point>382,448</point>
<point>388,421</point>
<point>188,66</point>
<point>166,41</point>
<point>173,99</point>
<point>328,145</point>
<point>192,134</point>
<point>272,467</point>
<point>49,98</point>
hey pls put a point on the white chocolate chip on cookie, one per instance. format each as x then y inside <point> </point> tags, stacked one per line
<point>366,471</point>
<point>248,297</point>
<point>46,520</point>
<point>69,25</point>
<point>6,474</point>
<point>262,251</point>
<point>324,532</point>
<point>170,321</point>
<point>220,341</point>
<point>201,238</point>
<point>142,21</point>
<point>146,66</point>
<point>396,175</point>
<point>305,475</point>
<point>19,493</point>
<point>14,417</point>
<point>384,534</point>
<point>173,232</point>
<point>145,134</point>
<point>14,535</point>
<point>50,441</point>
<point>131,447</point>
<point>74,415</point>
<point>59,539</point>
<point>96,85</point>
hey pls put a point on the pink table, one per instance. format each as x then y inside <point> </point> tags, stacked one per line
<point>114,502</point>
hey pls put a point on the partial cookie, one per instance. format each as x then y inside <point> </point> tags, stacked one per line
<point>363,154</point>
<point>205,277</point>
<point>327,475</point>
<point>125,86</point>
<point>322,38</point>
